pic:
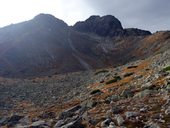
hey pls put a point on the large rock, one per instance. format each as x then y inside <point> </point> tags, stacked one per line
<point>74,124</point>
<point>144,93</point>
<point>39,124</point>
<point>147,86</point>
<point>105,123</point>
<point>69,112</point>
<point>131,114</point>
<point>119,119</point>
<point>10,121</point>
<point>127,93</point>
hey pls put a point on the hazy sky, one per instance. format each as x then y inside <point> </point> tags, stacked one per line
<point>146,14</point>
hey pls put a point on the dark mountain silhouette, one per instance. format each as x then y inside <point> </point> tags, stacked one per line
<point>107,26</point>
<point>46,45</point>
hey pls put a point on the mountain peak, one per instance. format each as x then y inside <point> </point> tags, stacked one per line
<point>107,25</point>
<point>103,26</point>
<point>48,19</point>
<point>43,16</point>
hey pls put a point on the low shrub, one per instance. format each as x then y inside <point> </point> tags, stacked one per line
<point>166,68</point>
<point>95,91</point>
<point>115,79</point>
<point>101,71</point>
<point>128,74</point>
<point>132,67</point>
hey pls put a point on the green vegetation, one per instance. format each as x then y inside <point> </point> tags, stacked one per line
<point>132,67</point>
<point>101,71</point>
<point>166,68</point>
<point>95,91</point>
<point>115,79</point>
<point>128,74</point>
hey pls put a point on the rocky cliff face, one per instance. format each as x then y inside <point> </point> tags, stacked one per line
<point>107,26</point>
<point>46,45</point>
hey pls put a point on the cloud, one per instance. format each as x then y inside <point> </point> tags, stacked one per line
<point>146,14</point>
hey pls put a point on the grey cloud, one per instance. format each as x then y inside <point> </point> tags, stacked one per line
<point>146,14</point>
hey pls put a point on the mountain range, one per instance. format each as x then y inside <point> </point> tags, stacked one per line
<point>46,45</point>
<point>94,74</point>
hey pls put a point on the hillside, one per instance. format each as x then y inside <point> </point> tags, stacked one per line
<point>46,46</point>
<point>132,95</point>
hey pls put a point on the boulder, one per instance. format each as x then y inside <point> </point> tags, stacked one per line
<point>144,93</point>
<point>127,93</point>
<point>131,114</point>
<point>105,123</point>
<point>119,119</point>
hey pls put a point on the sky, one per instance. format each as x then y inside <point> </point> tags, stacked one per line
<point>153,15</point>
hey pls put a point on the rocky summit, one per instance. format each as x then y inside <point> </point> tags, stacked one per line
<point>107,26</point>
<point>95,74</point>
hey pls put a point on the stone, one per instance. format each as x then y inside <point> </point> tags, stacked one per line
<point>69,112</point>
<point>105,123</point>
<point>116,110</point>
<point>127,93</point>
<point>168,88</point>
<point>152,125</point>
<point>11,121</point>
<point>39,124</point>
<point>143,110</point>
<point>144,93</point>
<point>147,86</point>
<point>113,98</point>
<point>59,123</point>
<point>131,114</point>
<point>89,104</point>
<point>74,124</point>
<point>3,121</point>
<point>48,115</point>
<point>119,119</point>
<point>112,125</point>
<point>25,121</point>
<point>167,111</point>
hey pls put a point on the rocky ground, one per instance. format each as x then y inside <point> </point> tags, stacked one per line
<point>135,95</point>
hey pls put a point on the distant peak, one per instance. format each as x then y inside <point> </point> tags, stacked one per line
<point>48,19</point>
<point>93,17</point>
<point>44,16</point>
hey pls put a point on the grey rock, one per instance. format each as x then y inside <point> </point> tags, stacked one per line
<point>59,123</point>
<point>10,121</point>
<point>89,104</point>
<point>144,93</point>
<point>147,86</point>
<point>168,88</point>
<point>116,110</point>
<point>167,111</point>
<point>167,104</point>
<point>48,115</point>
<point>127,93</point>
<point>74,124</point>
<point>143,110</point>
<point>39,124</point>
<point>112,125</point>
<point>152,125</point>
<point>119,119</point>
<point>113,98</point>
<point>3,121</point>
<point>105,123</point>
<point>131,114</point>
<point>69,112</point>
